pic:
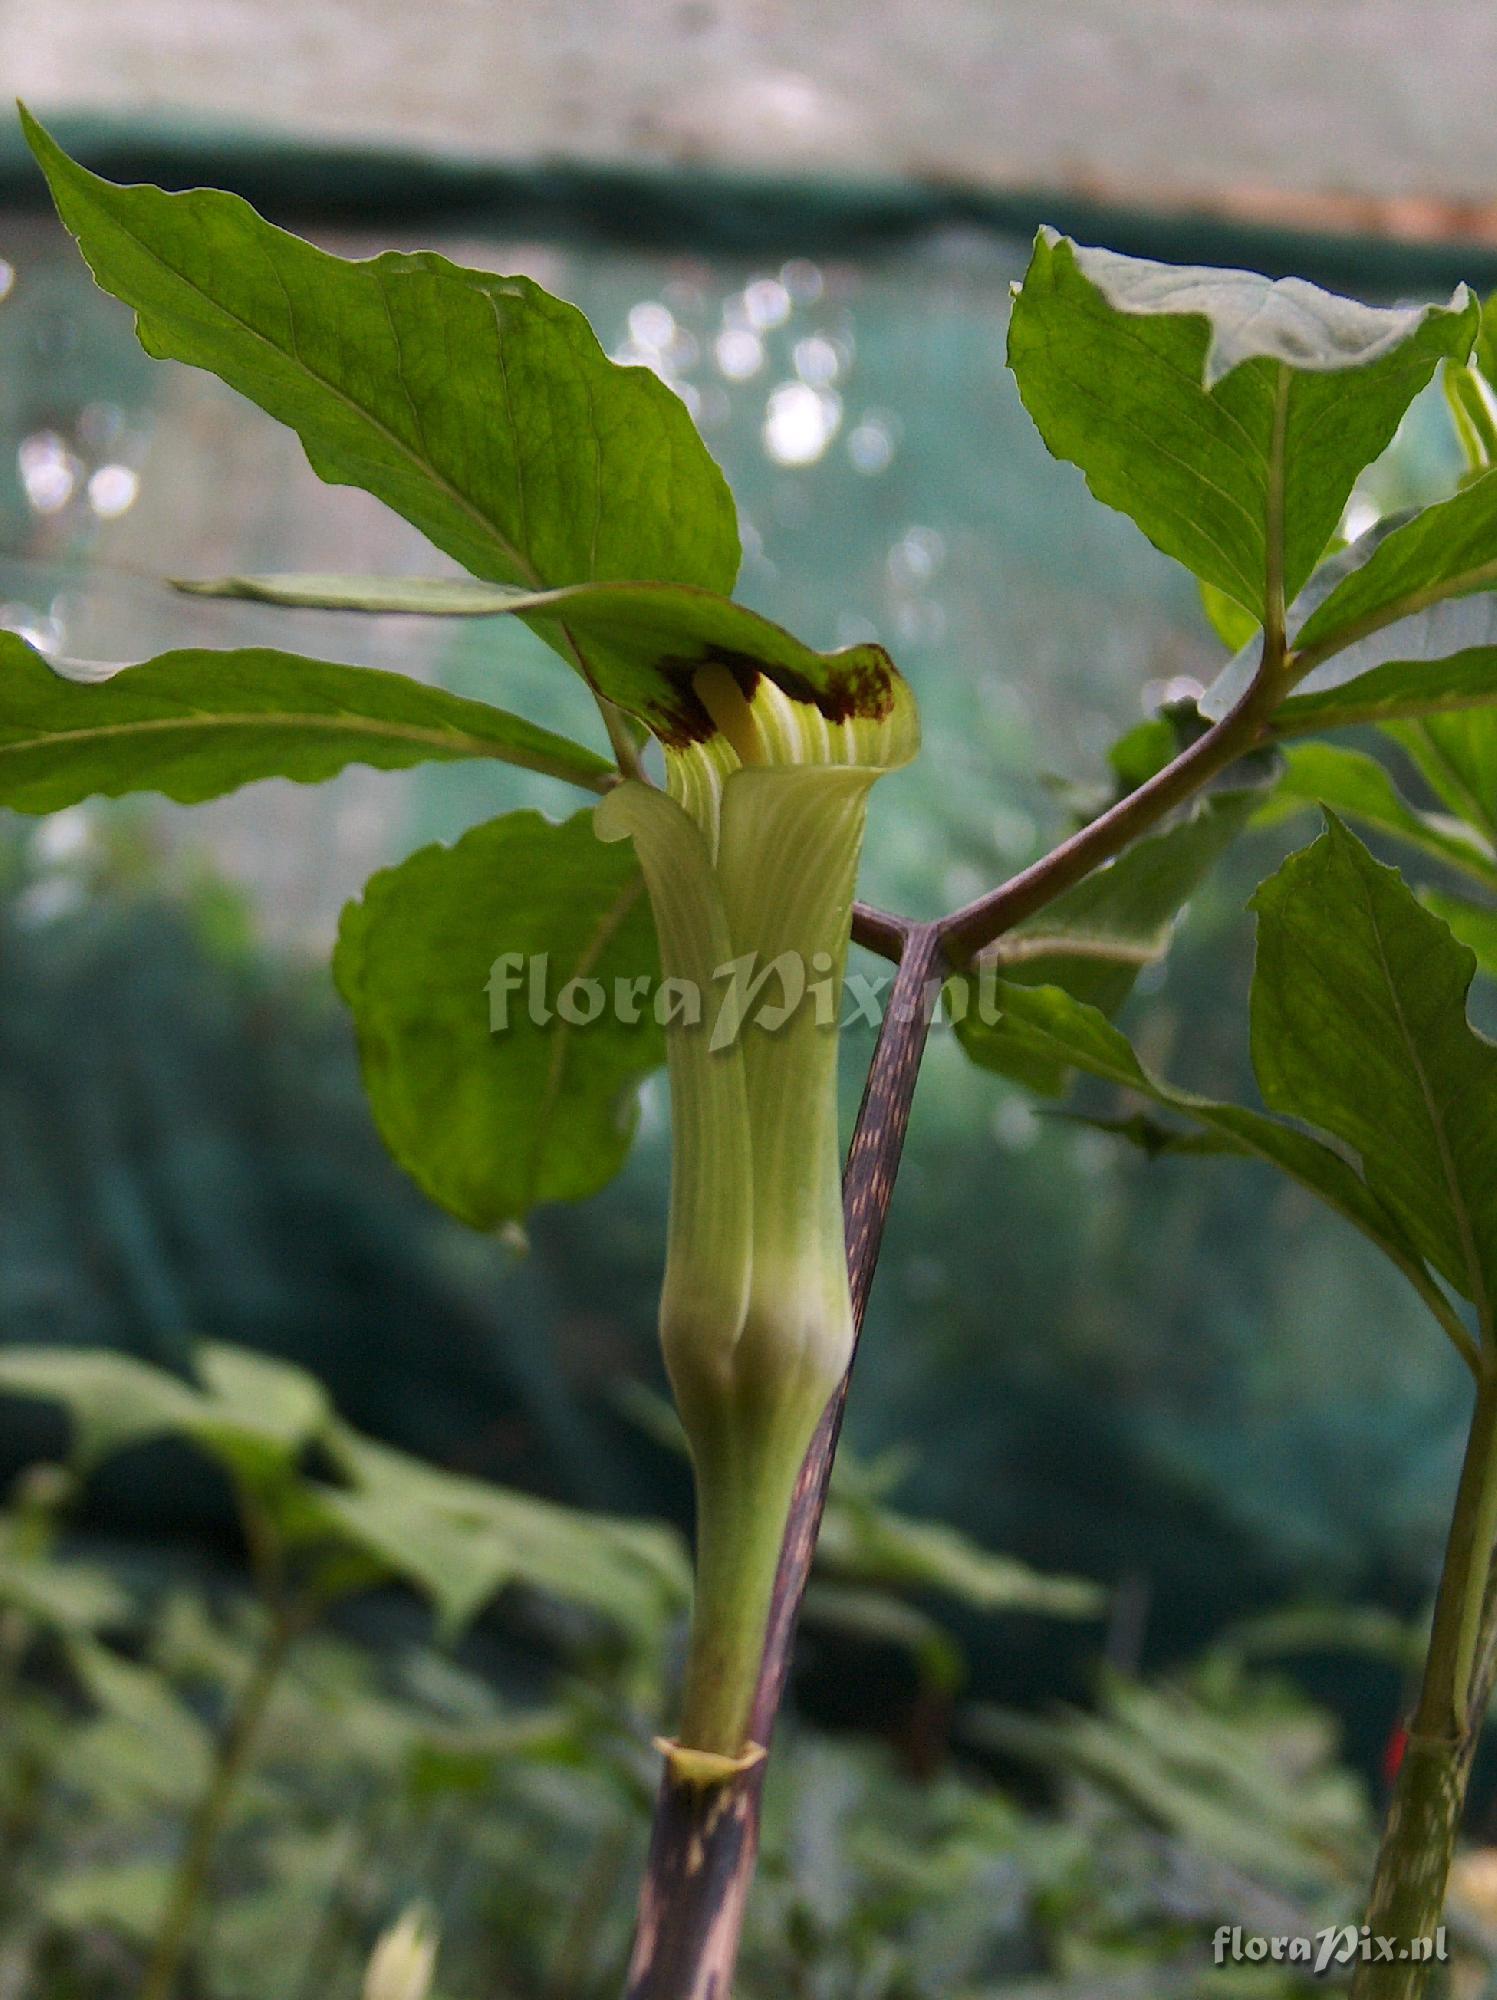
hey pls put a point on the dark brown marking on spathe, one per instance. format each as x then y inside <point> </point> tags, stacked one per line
<point>858,683</point>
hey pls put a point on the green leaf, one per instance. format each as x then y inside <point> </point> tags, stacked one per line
<point>1457,755</point>
<point>1235,678</point>
<point>1142,751</point>
<point>193,725</point>
<point>1220,1782</point>
<point>257,1415</point>
<point>1471,417</point>
<point>1360,1027</point>
<point>62,1597</point>
<point>862,1542</point>
<point>865,1541</point>
<point>457,1540</point>
<point>873,1618</point>
<point>1063,1033</point>
<point>1152,1137</point>
<point>123,1896</point>
<point>460,1541</point>
<point>1358,787</point>
<point>1429,681</point>
<point>645,641</point>
<point>1325,1628</point>
<point>1485,356</point>
<point>491,1123</point>
<point>111,1399</point>
<point>1437,659</point>
<point>453,1560</point>
<point>1096,939</point>
<point>478,407</point>
<point>252,1414</point>
<point>380,596</point>
<point>1227,414</point>
<point>1474,924</point>
<point>156,1745</point>
<point>1444,551</point>
<point>1235,627</point>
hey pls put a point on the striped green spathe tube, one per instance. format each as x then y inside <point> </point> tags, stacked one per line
<point>750,857</point>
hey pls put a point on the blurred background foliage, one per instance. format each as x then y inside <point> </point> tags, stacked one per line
<point>1077,1853</point>
<point>1179,1380</point>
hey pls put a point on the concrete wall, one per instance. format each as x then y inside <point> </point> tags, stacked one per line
<point>1387,99</point>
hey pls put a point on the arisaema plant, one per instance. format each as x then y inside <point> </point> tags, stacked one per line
<point>713,869</point>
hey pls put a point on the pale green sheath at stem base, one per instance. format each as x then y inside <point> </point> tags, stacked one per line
<point>750,858</point>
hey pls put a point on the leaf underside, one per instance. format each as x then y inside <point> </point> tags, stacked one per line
<point>1227,414</point>
<point>644,642</point>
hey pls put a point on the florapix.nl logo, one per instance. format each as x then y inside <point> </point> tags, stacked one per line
<point>744,992</point>
<point>1326,1951</point>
